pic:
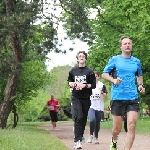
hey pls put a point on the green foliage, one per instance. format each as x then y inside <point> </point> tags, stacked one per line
<point>59,85</point>
<point>75,19</point>
<point>33,107</point>
<point>37,33</point>
<point>21,18</point>
<point>24,19</point>
<point>33,77</point>
<point>32,110</point>
<point>62,116</point>
<point>115,19</point>
<point>45,116</point>
<point>27,33</point>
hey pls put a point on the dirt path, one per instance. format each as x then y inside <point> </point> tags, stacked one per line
<point>65,134</point>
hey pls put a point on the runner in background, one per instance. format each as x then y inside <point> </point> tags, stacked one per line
<point>96,109</point>
<point>52,106</point>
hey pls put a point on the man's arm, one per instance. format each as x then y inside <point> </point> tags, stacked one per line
<point>140,80</point>
<point>70,80</point>
<point>140,84</point>
<point>89,85</point>
<point>107,77</point>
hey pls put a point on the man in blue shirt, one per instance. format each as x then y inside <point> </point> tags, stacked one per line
<point>123,70</point>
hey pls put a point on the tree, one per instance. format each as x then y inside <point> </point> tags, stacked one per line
<point>19,36</point>
<point>59,86</point>
<point>115,19</point>
<point>11,85</point>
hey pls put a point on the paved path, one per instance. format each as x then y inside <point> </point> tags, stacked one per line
<point>65,134</point>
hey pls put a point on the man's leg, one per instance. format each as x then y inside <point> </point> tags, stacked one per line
<point>86,103</point>
<point>78,117</point>
<point>132,117</point>
<point>117,126</point>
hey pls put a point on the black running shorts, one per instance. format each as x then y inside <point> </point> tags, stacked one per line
<point>121,107</point>
<point>53,116</point>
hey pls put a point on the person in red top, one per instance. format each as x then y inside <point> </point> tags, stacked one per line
<point>52,106</point>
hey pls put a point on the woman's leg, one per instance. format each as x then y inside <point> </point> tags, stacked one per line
<point>98,115</point>
<point>52,116</point>
<point>91,115</point>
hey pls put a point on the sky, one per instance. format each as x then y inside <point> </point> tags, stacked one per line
<point>59,59</point>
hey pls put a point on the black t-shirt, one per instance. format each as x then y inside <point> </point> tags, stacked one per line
<point>82,75</point>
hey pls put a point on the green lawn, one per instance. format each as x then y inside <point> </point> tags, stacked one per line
<point>29,137</point>
<point>142,127</point>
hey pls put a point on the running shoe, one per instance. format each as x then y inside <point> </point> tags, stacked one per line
<point>113,146</point>
<point>90,139</point>
<point>78,145</point>
<point>96,140</point>
<point>75,145</point>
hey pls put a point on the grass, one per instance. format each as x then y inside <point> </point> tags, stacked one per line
<point>142,127</point>
<point>27,136</point>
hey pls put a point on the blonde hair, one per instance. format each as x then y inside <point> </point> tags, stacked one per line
<point>52,94</point>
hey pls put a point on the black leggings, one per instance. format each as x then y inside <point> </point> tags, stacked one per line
<point>95,118</point>
<point>53,116</point>
<point>79,114</point>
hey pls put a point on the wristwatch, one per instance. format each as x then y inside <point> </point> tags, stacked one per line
<point>141,85</point>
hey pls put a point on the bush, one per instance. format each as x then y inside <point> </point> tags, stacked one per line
<point>62,116</point>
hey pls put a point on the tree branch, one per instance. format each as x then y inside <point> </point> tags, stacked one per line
<point>108,23</point>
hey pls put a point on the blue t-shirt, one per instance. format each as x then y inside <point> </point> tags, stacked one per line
<point>127,69</point>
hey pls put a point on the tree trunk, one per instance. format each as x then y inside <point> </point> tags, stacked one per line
<point>7,103</point>
<point>11,86</point>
